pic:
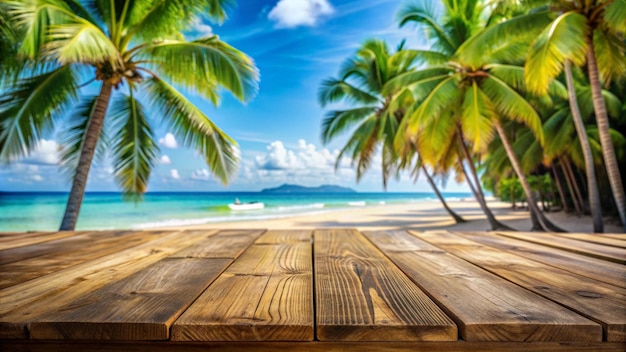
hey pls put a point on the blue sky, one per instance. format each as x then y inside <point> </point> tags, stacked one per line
<point>295,44</point>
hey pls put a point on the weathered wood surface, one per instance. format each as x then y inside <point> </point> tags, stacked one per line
<point>599,238</point>
<point>58,255</point>
<point>484,306</point>
<point>598,269</point>
<point>597,301</point>
<point>99,292</point>
<point>614,254</point>
<point>362,296</point>
<point>266,295</point>
<point>23,303</point>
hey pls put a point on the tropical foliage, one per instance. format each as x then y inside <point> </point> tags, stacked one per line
<point>143,67</point>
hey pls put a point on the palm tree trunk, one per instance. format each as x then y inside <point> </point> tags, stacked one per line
<point>478,193</point>
<point>602,120</point>
<point>592,183</point>
<point>458,219</point>
<point>559,186</point>
<point>92,135</point>
<point>578,195</point>
<point>536,215</point>
<point>572,194</point>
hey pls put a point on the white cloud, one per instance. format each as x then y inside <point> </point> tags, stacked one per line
<point>37,178</point>
<point>198,26</point>
<point>294,13</point>
<point>174,174</point>
<point>46,152</point>
<point>165,160</point>
<point>200,174</point>
<point>168,141</point>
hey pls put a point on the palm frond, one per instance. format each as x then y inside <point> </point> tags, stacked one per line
<point>414,77</point>
<point>333,90</point>
<point>72,137</point>
<point>615,15</point>
<point>474,50</point>
<point>563,39</point>
<point>338,121</point>
<point>610,51</point>
<point>80,42</point>
<point>194,128</point>
<point>27,110</point>
<point>424,15</point>
<point>444,94</point>
<point>135,149</point>
<point>559,131</point>
<point>478,114</point>
<point>199,63</point>
<point>510,103</point>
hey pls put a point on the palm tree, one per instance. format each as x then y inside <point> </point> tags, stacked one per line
<point>576,32</point>
<point>375,118</point>
<point>137,50</point>
<point>473,96</point>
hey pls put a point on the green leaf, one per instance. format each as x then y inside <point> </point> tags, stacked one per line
<point>443,95</point>
<point>424,15</point>
<point>333,90</point>
<point>27,110</point>
<point>135,150</point>
<point>563,39</point>
<point>610,53</point>
<point>338,121</point>
<point>80,42</point>
<point>201,64</point>
<point>478,113</point>
<point>194,128</point>
<point>414,77</point>
<point>511,104</point>
<point>615,15</point>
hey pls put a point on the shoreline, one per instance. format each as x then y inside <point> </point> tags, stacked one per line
<point>424,215</point>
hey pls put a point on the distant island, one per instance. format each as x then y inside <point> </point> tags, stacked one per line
<point>286,188</point>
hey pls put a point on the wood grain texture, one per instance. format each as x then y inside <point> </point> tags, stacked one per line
<point>224,244</point>
<point>20,271</point>
<point>265,295</point>
<point>598,238</point>
<point>598,269</point>
<point>20,239</point>
<point>362,296</point>
<point>484,306</point>
<point>617,255</point>
<point>80,240</point>
<point>142,306</point>
<point>312,346</point>
<point>25,302</point>
<point>600,302</point>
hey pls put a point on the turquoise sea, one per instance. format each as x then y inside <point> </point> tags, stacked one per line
<point>43,211</point>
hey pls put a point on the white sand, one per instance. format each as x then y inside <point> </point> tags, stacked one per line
<point>427,215</point>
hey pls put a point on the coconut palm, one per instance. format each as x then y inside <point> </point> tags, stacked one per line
<point>477,96</point>
<point>576,32</point>
<point>376,116</point>
<point>137,52</point>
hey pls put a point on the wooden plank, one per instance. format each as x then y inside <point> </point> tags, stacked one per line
<point>600,302</point>
<point>310,346</point>
<point>613,254</point>
<point>225,244</point>
<point>484,306</point>
<point>144,305</point>
<point>28,269</point>
<point>362,296</point>
<point>26,302</point>
<point>29,238</point>
<point>598,238</point>
<point>598,269</point>
<point>74,243</point>
<point>265,295</point>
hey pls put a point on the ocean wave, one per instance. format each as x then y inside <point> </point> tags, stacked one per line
<point>301,207</point>
<point>357,204</point>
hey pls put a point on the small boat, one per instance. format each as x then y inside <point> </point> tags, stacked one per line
<point>246,206</point>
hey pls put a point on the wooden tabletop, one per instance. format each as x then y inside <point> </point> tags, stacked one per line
<point>312,290</point>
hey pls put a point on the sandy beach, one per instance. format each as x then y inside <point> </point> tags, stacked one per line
<point>427,215</point>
